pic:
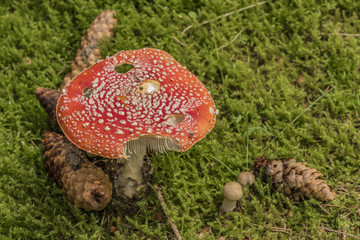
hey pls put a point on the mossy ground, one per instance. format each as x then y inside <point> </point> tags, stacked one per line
<point>285,79</point>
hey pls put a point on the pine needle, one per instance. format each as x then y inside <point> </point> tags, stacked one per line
<point>324,94</point>
<point>340,233</point>
<point>225,15</point>
<point>228,168</point>
<point>233,40</point>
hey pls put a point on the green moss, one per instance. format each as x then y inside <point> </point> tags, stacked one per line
<point>285,79</point>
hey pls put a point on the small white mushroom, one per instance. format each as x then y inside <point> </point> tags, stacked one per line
<point>232,192</point>
<point>246,178</point>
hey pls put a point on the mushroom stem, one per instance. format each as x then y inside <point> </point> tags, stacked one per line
<point>130,179</point>
<point>228,205</point>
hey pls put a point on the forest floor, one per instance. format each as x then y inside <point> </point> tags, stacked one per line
<point>284,76</point>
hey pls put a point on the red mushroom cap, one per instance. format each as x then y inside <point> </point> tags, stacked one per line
<point>100,110</point>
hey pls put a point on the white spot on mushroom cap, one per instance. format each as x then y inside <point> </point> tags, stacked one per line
<point>119,132</point>
<point>211,110</point>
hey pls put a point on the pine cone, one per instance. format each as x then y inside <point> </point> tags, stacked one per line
<point>295,179</point>
<point>82,183</point>
<point>48,99</point>
<point>88,52</point>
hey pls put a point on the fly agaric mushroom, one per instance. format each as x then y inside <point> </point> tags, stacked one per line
<point>158,105</point>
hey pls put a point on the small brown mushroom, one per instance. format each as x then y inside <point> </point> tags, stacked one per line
<point>232,192</point>
<point>246,178</point>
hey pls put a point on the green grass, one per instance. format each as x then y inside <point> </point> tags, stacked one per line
<point>284,77</point>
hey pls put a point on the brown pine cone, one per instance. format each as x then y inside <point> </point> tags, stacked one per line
<point>295,179</point>
<point>88,52</point>
<point>82,183</point>
<point>48,99</point>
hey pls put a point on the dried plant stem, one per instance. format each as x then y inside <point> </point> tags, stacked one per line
<point>228,168</point>
<point>338,232</point>
<point>275,229</point>
<point>233,40</point>
<point>225,15</point>
<point>324,94</point>
<point>342,34</point>
<point>164,208</point>
<point>326,211</point>
<point>333,205</point>
<point>349,34</point>
<point>178,41</point>
<point>103,218</point>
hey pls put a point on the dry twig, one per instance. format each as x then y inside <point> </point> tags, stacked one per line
<point>338,232</point>
<point>225,15</point>
<point>233,40</point>
<point>103,218</point>
<point>33,143</point>
<point>164,208</point>
<point>178,41</point>
<point>349,34</point>
<point>342,34</point>
<point>274,229</point>
<point>333,205</point>
<point>326,211</point>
